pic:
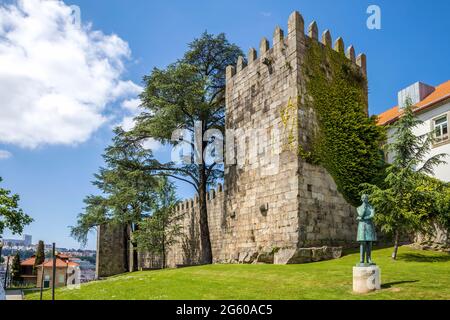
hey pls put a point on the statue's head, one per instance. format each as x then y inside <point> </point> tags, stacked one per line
<point>365,198</point>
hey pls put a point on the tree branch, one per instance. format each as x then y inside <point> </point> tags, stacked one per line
<point>178,178</point>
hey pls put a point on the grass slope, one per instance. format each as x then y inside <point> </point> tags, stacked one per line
<point>415,275</point>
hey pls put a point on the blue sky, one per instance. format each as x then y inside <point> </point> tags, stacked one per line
<point>53,178</point>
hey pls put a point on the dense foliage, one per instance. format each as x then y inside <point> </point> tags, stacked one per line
<point>11,216</point>
<point>158,232</point>
<point>348,142</point>
<point>127,191</point>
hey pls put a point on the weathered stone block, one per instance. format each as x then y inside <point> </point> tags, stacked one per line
<point>266,257</point>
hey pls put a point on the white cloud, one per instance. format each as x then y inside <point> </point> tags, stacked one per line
<point>128,123</point>
<point>151,144</point>
<point>5,154</point>
<point>131,105</point>
<point>56,79</point>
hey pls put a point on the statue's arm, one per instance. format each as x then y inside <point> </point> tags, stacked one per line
<point>360,212</point>
<point>372,212</point>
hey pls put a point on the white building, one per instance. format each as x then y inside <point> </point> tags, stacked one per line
<point>18,243</point>
<point>432,106</point>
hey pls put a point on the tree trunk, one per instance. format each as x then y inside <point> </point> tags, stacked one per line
<point>135,250</point>
<point>163,249</point>
<point>131,255</point>
<point>396,244</point>
<point>126,253</point>
<point>205,241</point>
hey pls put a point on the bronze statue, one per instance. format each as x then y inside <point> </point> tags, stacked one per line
<point>366,231</point>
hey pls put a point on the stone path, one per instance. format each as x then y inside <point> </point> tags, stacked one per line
<point>14,295</point>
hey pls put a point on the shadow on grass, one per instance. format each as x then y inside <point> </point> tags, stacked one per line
<point>416,257</point>
<point>391,284</point>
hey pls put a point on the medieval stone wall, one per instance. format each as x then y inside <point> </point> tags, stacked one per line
<point>439,240</point>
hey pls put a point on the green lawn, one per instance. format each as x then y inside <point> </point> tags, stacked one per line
<point>415,275</point>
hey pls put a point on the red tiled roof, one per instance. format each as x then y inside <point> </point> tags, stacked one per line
<point>59,263</point>
<point>28,262</point>
<point>441,93</point>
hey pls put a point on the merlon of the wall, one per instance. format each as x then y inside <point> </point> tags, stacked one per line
<point>264,46</point>
<point>240,64</point>
<point>296,29</point>
<point>230,72</point>
<point>326,38</point>
<point>192,203</point>
<point>296,23</point>
<point>361,61</point>
<point>313,31</point>
<point>252,55</point>
<point>339,45</point>
<point>351,54</point>
<point>278,37</point>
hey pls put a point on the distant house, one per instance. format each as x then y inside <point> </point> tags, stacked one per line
<point>27,274</point>
<point>65,272</point>
<point>432,106</point>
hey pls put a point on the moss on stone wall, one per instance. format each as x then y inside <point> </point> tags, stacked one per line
<point>348,142</point>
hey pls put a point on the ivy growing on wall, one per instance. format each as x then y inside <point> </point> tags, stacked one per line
<point>348,142</point>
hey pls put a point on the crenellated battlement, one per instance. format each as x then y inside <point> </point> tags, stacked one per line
<point>193,202</point>
<point>296,30</point>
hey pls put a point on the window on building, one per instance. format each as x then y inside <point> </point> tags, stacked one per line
<point>61,278</point>
<point>440,127</point>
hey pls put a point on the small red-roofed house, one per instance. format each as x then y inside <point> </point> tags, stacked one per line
<point>27,274</point>
<point>65,272</point>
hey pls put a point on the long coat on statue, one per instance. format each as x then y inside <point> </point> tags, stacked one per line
<point>366,228</point>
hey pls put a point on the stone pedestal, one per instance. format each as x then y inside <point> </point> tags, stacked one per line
<point>366,279</point>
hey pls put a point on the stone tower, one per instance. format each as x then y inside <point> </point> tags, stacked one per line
<point>278,207</point>
<point>274,206</point>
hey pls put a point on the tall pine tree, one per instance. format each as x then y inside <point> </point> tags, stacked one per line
<point>15,268</point>
<point>189,95</point>
<point>127,193</point>
<point>40,255</point>
<point>158,232</point>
